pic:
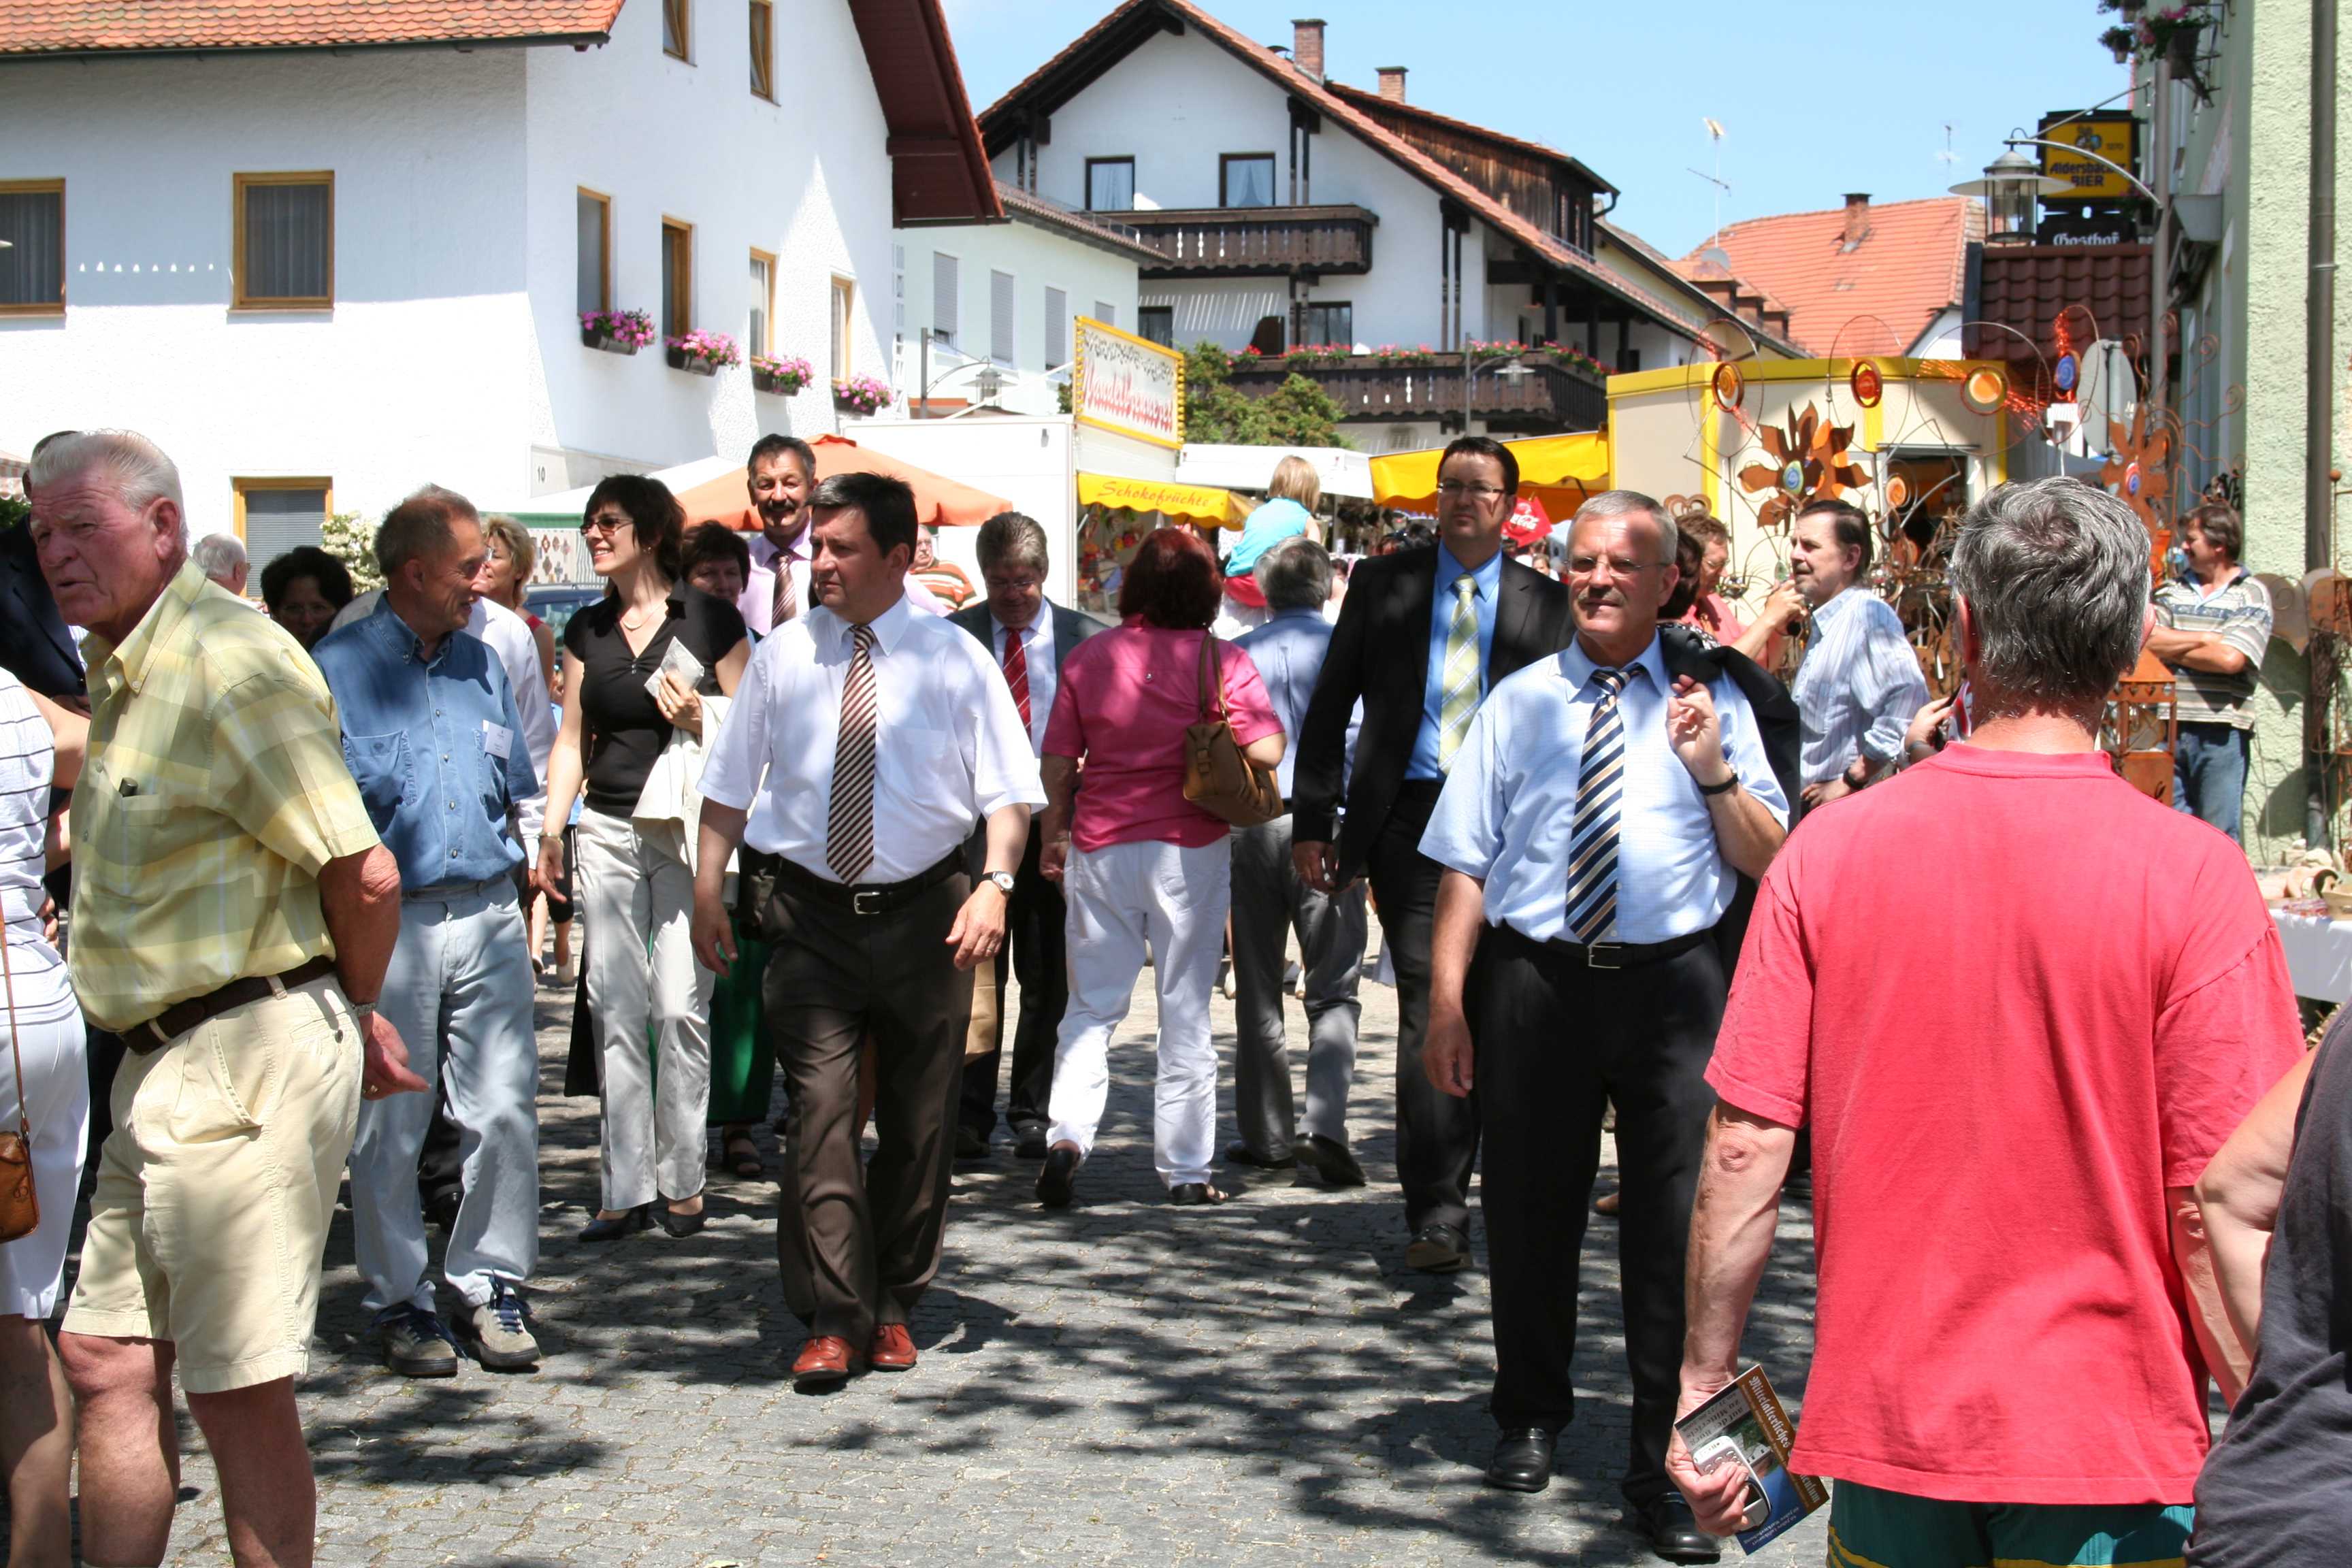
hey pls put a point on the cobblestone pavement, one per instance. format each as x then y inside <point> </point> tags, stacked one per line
<point>1264,1383</point>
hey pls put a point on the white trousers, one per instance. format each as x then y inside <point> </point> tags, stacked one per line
<point>459,991</point>
<point>32,1268</point>
<point>1120,898</point>
<point>637,897</point>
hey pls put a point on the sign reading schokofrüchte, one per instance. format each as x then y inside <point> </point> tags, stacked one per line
<point>1127,384</point>
<point>2084,140</point>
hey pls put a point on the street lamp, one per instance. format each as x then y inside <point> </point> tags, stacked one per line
<point>2011,188</point>
<point>1511,369</point>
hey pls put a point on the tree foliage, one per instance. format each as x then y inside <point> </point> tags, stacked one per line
<point>1298,413</point>
<point>347,538</point>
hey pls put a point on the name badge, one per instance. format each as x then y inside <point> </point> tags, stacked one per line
<point>497,740</point>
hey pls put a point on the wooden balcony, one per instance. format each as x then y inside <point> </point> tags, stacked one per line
<point>1550,399</point>
<point>1254,242</point>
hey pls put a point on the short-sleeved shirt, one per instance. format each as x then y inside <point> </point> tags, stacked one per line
<point>2016,1000</point>
<point>2239,613</point>
<point>1128,696</point>
<point>623,730</point>
<point>213,795</point>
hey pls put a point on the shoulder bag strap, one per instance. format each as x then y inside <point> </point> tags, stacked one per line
<point>1213,680</point>
<point>16,1049</point>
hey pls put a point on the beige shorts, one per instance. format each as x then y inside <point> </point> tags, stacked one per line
<point>216,1187</point>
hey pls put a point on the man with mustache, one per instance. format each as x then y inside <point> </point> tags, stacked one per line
<point>779,474</point>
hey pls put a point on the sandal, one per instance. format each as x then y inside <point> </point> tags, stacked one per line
<point>741,1155</point>
<point>1185,1195</point>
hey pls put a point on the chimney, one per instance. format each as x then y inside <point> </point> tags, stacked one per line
<point>1392,83</point>
<point>1306,45</point>
<point>1857,219</point>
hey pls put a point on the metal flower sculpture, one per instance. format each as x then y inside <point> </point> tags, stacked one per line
<point>2138,469</point>
<point>1810,463</point>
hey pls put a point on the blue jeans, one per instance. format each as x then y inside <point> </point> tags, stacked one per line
<point>2209,776</point>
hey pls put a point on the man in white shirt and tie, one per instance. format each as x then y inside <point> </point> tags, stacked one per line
<point>1027,637</point>
<point>780,474</point>
<point>863,746</point>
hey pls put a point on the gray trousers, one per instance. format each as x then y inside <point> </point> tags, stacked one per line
<point>459,991</point>
<point>1269,903</point>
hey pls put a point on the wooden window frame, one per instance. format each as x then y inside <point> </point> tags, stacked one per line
<point>1127,159</point>
<point>1146,336</point>
<point>846,290</point>
<point>604,267</point>
<point>768,349</point>
<point>241,488</point>
<point>1327,305</point>
<point>239,184</point>
<point>763,52</point>
<point>39,188</point>
<point>1227,159</point>
<point>671,226</point>
<point>684,11</point>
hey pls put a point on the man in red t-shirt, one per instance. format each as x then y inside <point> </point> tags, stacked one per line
<point>2021,1005</point>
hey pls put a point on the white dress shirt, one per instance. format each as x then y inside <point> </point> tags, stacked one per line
<point>1858,687</point>
<point>759,601</point>
<point>949,747</point>
<point>509,637</point>
<point>1037,647</point>
<point>1509,806</point>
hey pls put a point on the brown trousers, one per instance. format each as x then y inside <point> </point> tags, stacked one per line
<point>857,1247</point>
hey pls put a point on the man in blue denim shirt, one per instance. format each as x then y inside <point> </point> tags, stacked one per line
<point>433,739</point>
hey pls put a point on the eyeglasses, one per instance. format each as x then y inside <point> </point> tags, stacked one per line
<point>1013,585</point>
<point>1454,488</point>
<point>604,522</point>
<point>1586,565</point>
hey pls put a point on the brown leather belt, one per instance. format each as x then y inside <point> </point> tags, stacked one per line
<point>181,1016</point>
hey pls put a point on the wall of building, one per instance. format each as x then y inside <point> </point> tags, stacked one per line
<point>1039,259</point>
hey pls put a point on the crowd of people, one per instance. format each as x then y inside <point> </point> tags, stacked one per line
<point>837,822</point>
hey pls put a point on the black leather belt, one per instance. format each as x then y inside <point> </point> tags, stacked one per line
<point>181,1016</point>
<point>867,898</point>
<point>1615,955</point>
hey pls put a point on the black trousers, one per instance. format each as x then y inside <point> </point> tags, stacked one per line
<point>1035,946</point>
<point>1437,1134</point>
<point>857,1246</point>
<point>1556,1043</point>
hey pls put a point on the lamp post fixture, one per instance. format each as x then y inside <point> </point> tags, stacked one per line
<point>1513,370</point>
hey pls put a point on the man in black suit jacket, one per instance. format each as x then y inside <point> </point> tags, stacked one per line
<point>1028,637</point>
<point>1405,644</point>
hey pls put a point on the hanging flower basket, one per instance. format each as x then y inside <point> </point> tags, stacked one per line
<point>703,354</point>
<point>861,395</point>
<point>2180,47</point>
<point>617,331</point>
<point>783,377</point>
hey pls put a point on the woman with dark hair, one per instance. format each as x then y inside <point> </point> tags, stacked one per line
<point>305,589</point>
<point>1137,862</point>
<point>636,665</point>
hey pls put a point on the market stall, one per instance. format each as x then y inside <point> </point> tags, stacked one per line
<point>1558,472</point>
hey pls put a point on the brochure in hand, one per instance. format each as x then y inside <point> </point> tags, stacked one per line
<point>1744,1425</point>
<point>676,660</point>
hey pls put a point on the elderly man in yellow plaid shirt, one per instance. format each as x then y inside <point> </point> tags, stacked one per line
<point>233,915</point>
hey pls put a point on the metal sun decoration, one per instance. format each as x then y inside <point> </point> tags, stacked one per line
<point>1808,463</point>
<point>2136,468</point>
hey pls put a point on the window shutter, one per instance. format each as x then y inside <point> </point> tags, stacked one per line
<point>1000,317</point>
<point>277,521</point>
<point>1107,314</point>
<point>943,295</point>
<point>1057,329</point>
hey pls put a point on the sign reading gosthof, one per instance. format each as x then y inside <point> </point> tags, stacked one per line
<point>1127,384</point>
<point>2084,141</point>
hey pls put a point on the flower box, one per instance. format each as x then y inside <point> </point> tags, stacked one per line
<point>861,395</point>
<point>617,331</point>
<point>679,361</point>
<point>702,353</point>
<point>781,377</point>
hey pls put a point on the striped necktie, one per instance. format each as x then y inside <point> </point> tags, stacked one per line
<point>1016,672</point>
<point>849,826</point>
<point>1593,845</point>
<point>1458,677</point>
<point>780,609</point>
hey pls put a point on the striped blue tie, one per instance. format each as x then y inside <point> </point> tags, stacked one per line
<point>1592,848</point>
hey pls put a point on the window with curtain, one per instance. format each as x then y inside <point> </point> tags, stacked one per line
<point>1333,322</point>
<point>1110,184</point>
<point>1057,329</point>
<point>285,241</point>
<point>943,296</point>
<point>1107,313</point>
<point>678,279</point>
<point>1157,323</point>
<point>675,20</point>
<point>758,332</point>
<point>1000,317</point>
<point>279,514</point>
<point>1245,179</point>
<point>33,267</point>
<point>763,48</point>
<point>845,299</point>
<point>595,287</point>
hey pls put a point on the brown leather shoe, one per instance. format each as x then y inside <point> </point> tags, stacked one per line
<point>892,1350</point>
<point>823,1363</point>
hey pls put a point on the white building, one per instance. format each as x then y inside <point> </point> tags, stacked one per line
<point>1001,296</point>
<point>328,254</point>
<point>1288,209</point>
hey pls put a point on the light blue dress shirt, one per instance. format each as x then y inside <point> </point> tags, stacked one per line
<point>435,747</point>
<point>1511,803</point>
<point>1858,687</point>
<point>1489,578</point>
<point>1288,651</point>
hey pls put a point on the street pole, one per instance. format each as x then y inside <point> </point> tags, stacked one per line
<point>2319,405</point>
<point>2159,291</point>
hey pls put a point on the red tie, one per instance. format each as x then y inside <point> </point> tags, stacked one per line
<point>1016,672</point>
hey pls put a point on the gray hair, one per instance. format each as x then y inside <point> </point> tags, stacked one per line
<point>218,555</point>
<point>133,468</point>
<point>1010,538</point>
<point>423,525</point>
<point>1295,574</point>
<point>2056,575</point>
<point>1626,503</point>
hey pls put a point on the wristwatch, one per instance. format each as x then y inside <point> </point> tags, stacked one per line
<point>1003,880</point>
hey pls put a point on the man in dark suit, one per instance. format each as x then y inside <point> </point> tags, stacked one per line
<point>1027,637</point>
<point>1422,636</point>
<point>34,645</point>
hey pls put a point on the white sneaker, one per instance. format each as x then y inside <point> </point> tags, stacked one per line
<point>498,1331</point>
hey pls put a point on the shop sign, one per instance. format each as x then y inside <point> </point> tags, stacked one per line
<point>2083,142</point>
<point>2075,233</point>
<point>1127,384</point>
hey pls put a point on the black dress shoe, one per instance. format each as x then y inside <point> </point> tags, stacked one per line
<point>1522,1461</point>
<point>1241,1154</point>
<point>618,1225</point>
<point>1191,1195</point>
<point>1029,1143</point>
<point>681,1226</point>
<point>1330,1159</point>
<point>1059,1177</point>
<point>970,1144</point>
<point>1438,1248</point>
<point>1674,1530</point>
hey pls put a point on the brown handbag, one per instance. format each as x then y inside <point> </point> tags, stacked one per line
<point>1218,778</point>
<point>20,1210</point>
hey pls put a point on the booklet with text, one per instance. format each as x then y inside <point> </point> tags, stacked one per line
<point>1744,1426</point>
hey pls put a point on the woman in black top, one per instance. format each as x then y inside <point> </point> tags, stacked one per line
<point>632,879</point>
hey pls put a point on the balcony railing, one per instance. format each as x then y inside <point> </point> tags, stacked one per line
<point>1550,397</point>
<point>1256,242</point>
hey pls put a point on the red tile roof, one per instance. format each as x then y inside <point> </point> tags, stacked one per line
<point>1876,299</point>
<point>115,27</point>
<point>2101,290</point>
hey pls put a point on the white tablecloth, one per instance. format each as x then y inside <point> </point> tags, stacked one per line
<point>2318,955</point>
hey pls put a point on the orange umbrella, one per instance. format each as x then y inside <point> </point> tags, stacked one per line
<point>941,502</point>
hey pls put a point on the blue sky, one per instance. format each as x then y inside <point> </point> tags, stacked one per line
<point>1816,99</point>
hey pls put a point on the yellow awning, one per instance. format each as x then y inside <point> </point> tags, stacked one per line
<point>1559,467</point>
<point>1197,503</point>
